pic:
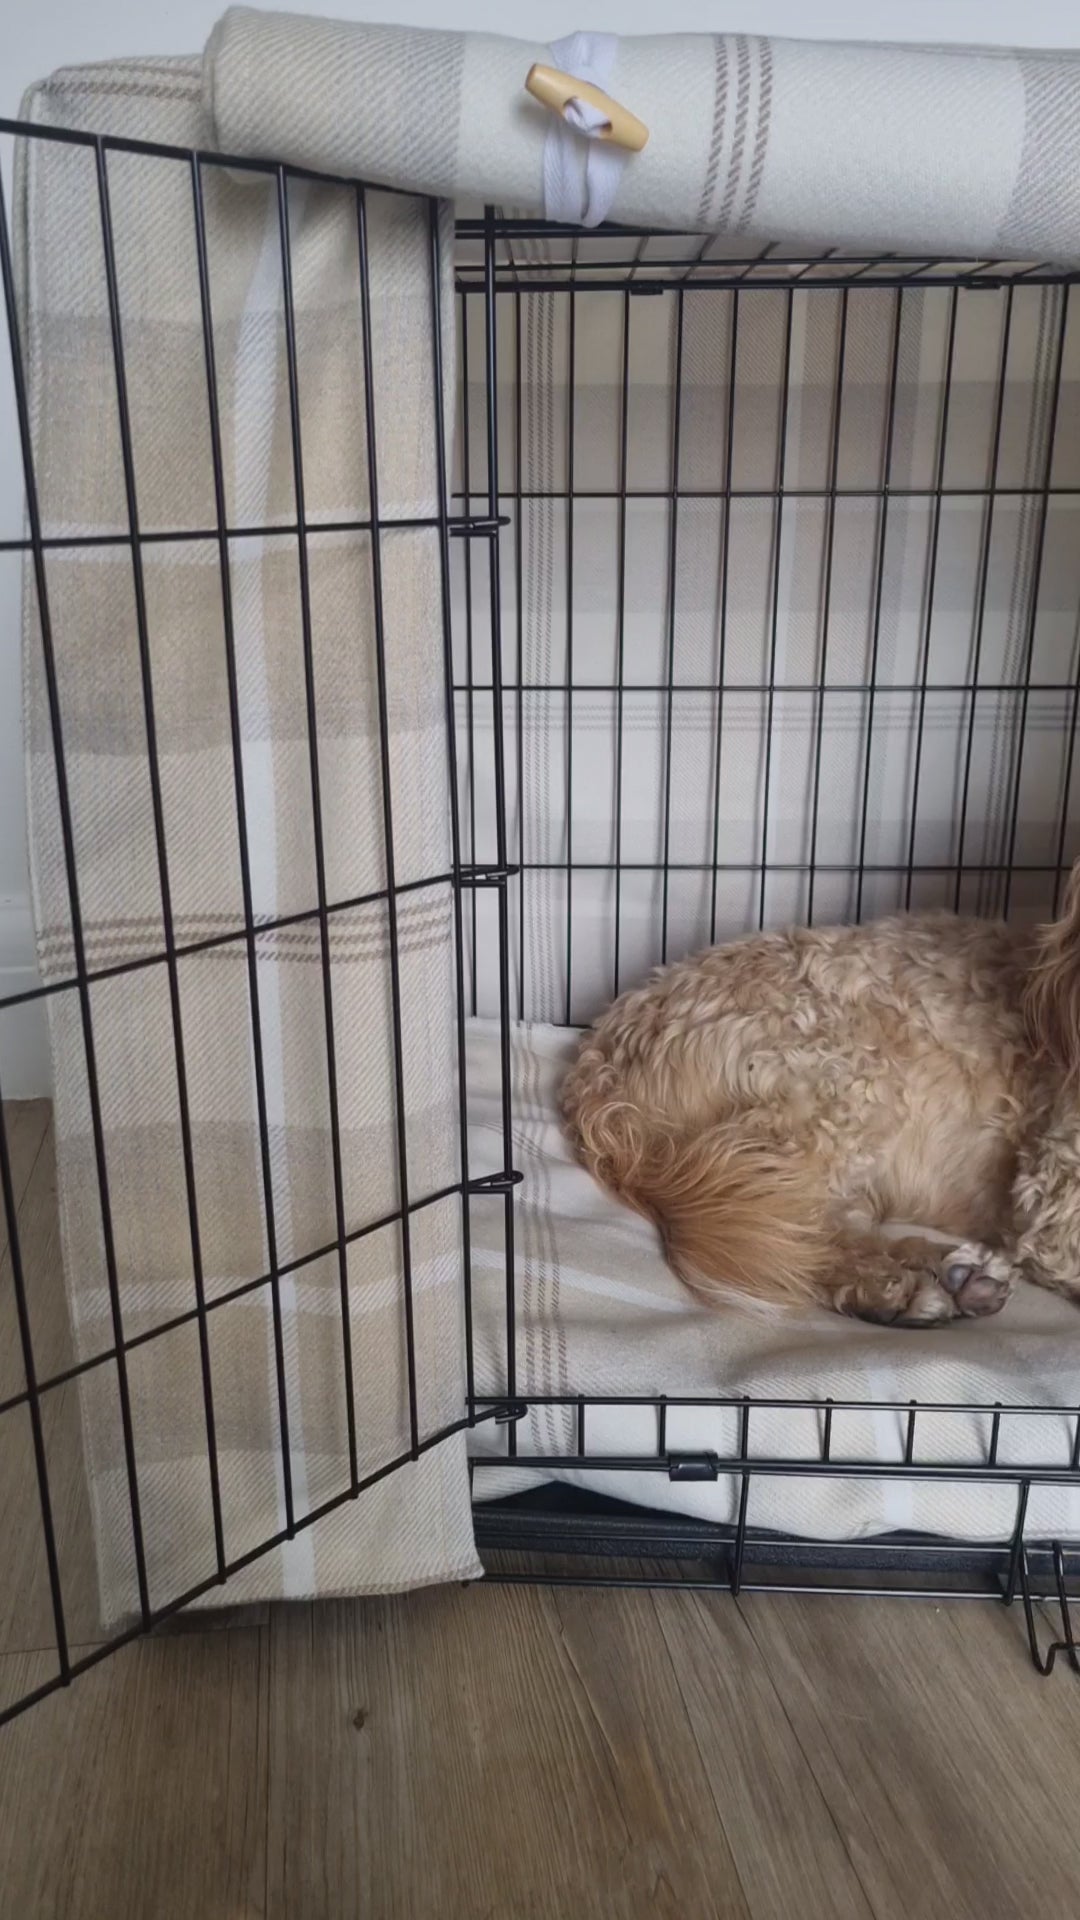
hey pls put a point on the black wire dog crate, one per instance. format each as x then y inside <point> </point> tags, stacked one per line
<point>759,605</point>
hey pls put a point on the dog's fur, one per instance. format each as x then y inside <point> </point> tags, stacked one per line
<point>775,1103</point>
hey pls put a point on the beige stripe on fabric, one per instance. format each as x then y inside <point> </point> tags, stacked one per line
<point>250,1211</point>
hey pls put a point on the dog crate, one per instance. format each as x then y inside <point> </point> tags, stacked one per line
<point>759,593</point>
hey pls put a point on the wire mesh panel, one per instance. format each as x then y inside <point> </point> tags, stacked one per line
<point>247,875</point>
<point>789,599</point>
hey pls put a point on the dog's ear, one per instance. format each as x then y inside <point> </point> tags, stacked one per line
<point>1052,995</point>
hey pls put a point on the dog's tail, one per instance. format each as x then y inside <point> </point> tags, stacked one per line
<point>734,1213</point>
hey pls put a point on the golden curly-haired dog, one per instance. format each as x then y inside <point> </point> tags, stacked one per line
<point>775,1103</point>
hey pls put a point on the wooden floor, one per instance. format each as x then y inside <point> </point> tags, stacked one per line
<point>507,1753</point>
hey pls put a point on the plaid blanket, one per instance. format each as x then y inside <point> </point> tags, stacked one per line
<point>272,1363</point>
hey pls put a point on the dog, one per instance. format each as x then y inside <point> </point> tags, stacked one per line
<point>774,1104</point>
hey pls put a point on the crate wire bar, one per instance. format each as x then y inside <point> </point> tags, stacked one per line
<point>498,259</point>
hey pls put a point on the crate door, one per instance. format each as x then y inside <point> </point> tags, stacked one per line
<point>234,1175</point>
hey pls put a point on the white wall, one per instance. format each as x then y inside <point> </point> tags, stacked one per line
<point>42,34</point>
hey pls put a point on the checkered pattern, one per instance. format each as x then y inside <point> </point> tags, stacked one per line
<point>395,1535</point>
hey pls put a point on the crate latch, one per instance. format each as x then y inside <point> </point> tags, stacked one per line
<point>693,1466</point>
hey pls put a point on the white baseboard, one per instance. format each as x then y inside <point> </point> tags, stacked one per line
<point>25,1072</point>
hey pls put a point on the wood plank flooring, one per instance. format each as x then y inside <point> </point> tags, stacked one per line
<point>515,1753</point>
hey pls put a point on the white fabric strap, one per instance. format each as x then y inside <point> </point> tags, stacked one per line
<point>582,173</point>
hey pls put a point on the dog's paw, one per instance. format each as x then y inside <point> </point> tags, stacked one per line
<point>918,1282</point>
<point>971,1281</point>
<point>978,1280</point>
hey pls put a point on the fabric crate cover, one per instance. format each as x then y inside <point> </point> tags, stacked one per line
<point>413,1527</point>
<point>960,151</point>
<point>965,150</point>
